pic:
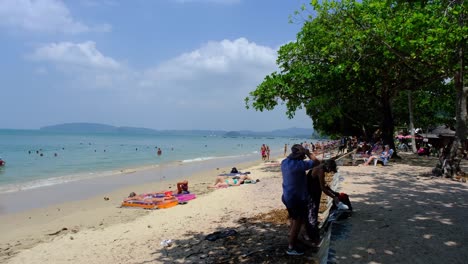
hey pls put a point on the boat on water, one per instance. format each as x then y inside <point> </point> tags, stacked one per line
<point>2,162</point>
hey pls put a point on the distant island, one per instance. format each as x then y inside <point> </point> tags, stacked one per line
<point>102,128</point>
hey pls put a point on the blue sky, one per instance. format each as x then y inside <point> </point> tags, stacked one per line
<point>162,64</point>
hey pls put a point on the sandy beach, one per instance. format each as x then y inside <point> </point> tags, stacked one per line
<point>70,219</point>
<point>401,215</point>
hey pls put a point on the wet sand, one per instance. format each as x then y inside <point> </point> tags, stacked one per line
<point>19,201</point>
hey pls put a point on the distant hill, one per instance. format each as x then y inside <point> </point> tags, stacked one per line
<point>81,128</point>
<point>102,128</point>
<point>288,132</point>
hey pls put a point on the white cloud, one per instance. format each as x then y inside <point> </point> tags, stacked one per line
<point>50,16</point>
<point>75,54</point>
<point>216,66</point>
<point>202,88</point>
<point>233,67</point>
<point>211,81</point>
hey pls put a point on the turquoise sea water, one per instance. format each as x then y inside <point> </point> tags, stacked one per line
<point>70,157</point>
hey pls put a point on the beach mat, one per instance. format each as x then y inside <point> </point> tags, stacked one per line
<point>185,197</point>
<point>155,200</point>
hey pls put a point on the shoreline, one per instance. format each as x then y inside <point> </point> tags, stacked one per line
<point>89,175</point>
<point>80,189</point>
<point>76,160</point>
<point>26,229</point>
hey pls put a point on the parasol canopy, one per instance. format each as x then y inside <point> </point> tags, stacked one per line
<point>400,136</point>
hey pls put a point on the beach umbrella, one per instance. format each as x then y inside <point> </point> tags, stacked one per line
<point>415,136</point>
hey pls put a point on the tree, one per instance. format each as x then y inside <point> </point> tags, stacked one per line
<point>431,107</point>
<point>444,48</point>
<point>358,55</point>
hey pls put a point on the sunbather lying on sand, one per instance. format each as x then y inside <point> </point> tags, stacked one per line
<point>224,182</point>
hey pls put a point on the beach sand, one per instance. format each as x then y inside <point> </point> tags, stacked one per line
<point>71,219</point>
<point>400,216</point>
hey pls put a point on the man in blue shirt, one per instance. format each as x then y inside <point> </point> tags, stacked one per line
<point>295,195</point>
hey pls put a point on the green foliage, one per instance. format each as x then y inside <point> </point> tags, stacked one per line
<point>431,107</point>
<point>350,65</point>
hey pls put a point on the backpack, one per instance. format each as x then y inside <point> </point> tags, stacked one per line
<point>234,170</point>
<point>342,214</point>
<point>344,198</point>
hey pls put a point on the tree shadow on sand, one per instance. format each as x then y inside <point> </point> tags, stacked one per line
<point>407,218</point>
<point>415,160</point>
<point>260,239</point>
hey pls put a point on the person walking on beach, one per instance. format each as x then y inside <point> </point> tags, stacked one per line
<point>285,150</point>
<point>295,195</point>
<point>267,149</point>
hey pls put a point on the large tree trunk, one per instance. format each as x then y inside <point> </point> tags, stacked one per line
<point>411,122</point>
<point>458,145</point>
<point>388,125</point>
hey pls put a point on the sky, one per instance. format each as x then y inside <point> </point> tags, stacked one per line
<point>161,64</point>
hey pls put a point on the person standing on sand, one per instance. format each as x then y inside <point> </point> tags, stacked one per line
<point>267,152</point>
<point>316,184</point>
<point>295,195</point>
<point>263,152</point>
<point>285,150</point>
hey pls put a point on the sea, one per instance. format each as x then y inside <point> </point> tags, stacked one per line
<point>36,158</point>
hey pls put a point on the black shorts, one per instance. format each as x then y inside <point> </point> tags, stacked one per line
<point>297,209</point>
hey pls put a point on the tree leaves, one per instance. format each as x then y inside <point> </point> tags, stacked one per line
<point>354,56</point>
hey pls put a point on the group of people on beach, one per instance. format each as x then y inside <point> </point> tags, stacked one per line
<point>224,182</point>
<point>373,151</point>
<point>384,156</point>
<point>303,184</point>
<point>235,178</point>
<point>318,147</point>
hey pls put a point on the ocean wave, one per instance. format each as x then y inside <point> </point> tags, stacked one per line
<point>16,187</point>
<point>213,157</point>
<point>199,159</point>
